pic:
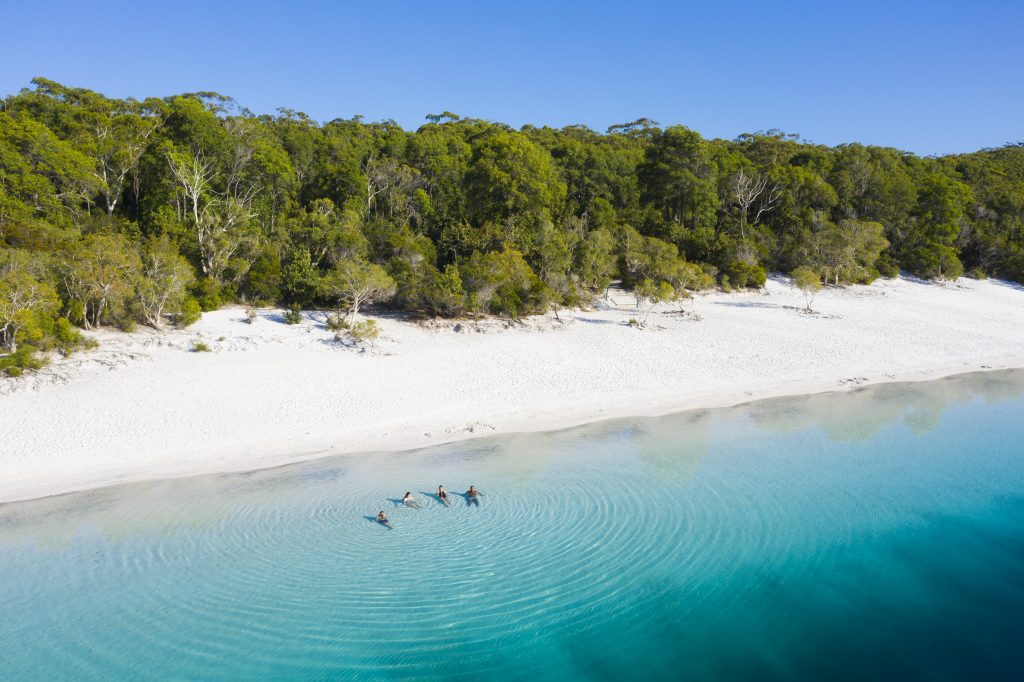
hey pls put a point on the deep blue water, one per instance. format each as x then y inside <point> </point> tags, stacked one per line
<point>877,534</point>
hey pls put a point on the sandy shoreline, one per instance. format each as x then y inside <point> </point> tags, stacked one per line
<point>143,407</point>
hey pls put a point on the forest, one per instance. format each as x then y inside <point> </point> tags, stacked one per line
<point>117,212</point>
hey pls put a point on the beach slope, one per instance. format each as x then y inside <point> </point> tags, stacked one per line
<point>143,405</point>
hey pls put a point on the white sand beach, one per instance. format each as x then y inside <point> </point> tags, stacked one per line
<point>144,406</point>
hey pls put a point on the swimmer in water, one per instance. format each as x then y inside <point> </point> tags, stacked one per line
<point>472,496</point>
<point>442,495</point>
<point>410,501</point>
<point>382,519</point>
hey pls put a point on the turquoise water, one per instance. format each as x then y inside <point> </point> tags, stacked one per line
<point>874,534</point>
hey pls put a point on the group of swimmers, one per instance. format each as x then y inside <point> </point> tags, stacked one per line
<point>472,497</point>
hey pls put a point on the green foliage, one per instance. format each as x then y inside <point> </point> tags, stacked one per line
<point>336,322</point>
<point>848,251</point>
<point>293,315</point>
<point>502,282</point>
<point>162,286</point>
<point>510,176</point>
<point>808,282</point>
<point>191,312</point>
<point>207,292</point>
<point>353,283</point>
<point>649,293</point>
<point>887,266</point>
<point>365,331</point>
<point>264,278</point>
<point>741,274</point>
<point>200,347</point>
<point>122,211</point>
<point>444,295</point>
<point>354,332</point>
<point>25,358</point>
<point>300,280</point>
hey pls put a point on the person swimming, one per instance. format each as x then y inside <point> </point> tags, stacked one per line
<point>442,494</point>
<point>382,519</point>
<point>410,501</point>
<point>473,496</point>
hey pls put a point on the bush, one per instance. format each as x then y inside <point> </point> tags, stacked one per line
<point>887,267</point>
<point>742,275</point>
<point>293,315</point>
<point>250,315</point>
<point>190,313</point>
<point>934,261</point>
<point>977,273</point>
<point>16,363</point>
<point>336,322</point>
<point>357,333</point>
<point>62,336</point>
<point>207,292</point>
<point>200,347</point>
<point>300,279</point>
<point>365,330</point>
<point>263,281</point>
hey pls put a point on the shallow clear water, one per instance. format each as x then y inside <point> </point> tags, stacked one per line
<point>871,534</point>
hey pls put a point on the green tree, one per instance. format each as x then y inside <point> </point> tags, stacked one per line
<point>99,278</point>
<point>510,176</point>
<point>164,283</point>
<point>354,283</point>
<point>25,305</point>
<point>808,282</point>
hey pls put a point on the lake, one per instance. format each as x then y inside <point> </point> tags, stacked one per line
<point>866,534</point>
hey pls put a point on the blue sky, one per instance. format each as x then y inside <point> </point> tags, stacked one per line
<point>930,77</point>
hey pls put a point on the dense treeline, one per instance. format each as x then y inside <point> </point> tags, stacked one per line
<point>121,211</point>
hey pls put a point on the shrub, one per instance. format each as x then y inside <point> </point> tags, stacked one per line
<point>207,292</point>
<point>190,313</point>
<point>887,267</point>
<point>357,333</point>
<point>200,347</point>
<point>740,274</point>
<point>250,315</point>
<point>263,281</point>
<point>300,280</point>
<point>336,322</point>
<point>293,315</point>
<point>60,335</point>
<point>365,330</point>
<point>808,282</point>
<point>977,273</point>
<point>16,363</point>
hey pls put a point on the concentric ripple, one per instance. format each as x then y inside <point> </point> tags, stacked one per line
<point>704,546</point>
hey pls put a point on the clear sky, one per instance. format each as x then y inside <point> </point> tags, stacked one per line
<point>930,77</point>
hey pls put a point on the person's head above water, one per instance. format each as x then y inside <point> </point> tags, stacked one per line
<point>408,494</point>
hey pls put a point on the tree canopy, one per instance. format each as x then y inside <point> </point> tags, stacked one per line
<point>130,210</point>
